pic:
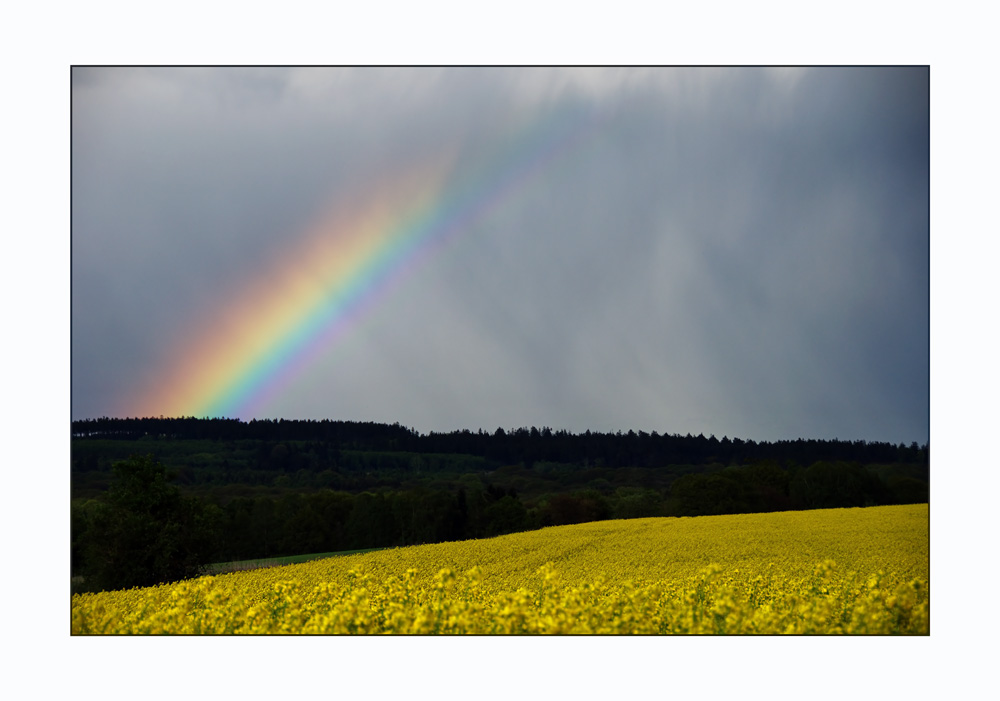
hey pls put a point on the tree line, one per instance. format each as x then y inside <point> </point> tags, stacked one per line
<point>516,445</point>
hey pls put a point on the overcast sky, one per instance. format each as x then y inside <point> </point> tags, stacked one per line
<point>739,252</point>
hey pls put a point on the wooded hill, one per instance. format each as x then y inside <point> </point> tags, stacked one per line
<point>279,487</point>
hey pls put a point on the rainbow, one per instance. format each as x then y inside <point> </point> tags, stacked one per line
<point>244,352</point>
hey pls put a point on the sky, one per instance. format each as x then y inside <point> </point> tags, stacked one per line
<point>738,252</point>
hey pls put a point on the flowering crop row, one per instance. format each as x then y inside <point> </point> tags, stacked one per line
<point>825,571</point>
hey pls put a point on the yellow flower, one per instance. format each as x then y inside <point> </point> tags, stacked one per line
<point>861,571</point>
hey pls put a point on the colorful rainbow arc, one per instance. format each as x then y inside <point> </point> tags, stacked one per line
<point>241,358</point>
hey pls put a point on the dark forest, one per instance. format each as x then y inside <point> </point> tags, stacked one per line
<point>157,499</point>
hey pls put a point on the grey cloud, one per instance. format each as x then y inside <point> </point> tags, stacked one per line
<point>738,252</point>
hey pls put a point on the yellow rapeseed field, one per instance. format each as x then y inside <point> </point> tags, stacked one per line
<point>828,571</point>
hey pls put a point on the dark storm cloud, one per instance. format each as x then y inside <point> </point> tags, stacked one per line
<point>731,262</point>
<point>738,252</point>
